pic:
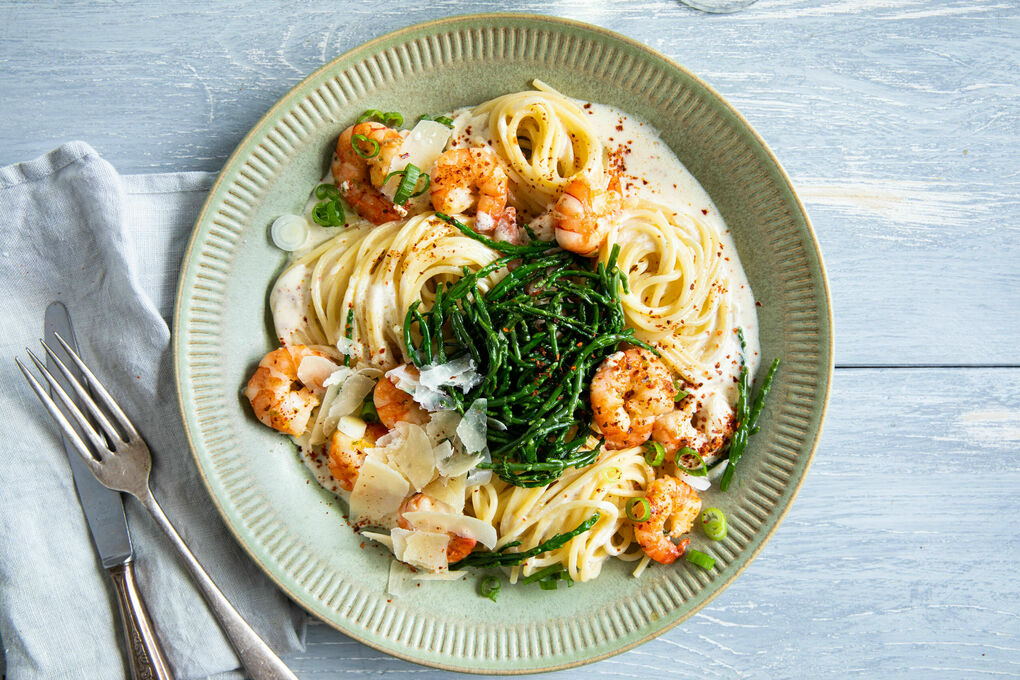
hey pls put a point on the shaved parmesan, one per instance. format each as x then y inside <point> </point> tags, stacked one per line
<point>352,426</point>
<point>429,399</point>
<point>448,490</point>
<point>698,483</point>
<point>442,426</point>
<point>337,376</point>
<point>413,456</point>
<point>349,347</point>
<point>472,429</point>
<point>381,538</point>
<point>348,400</point>
<point>422,549</point>
<point>459,373</point>
<point>377,494</point>
<point>313,371</point>
<point>421,148</point>
<point>459,525</point>
<point>453,463</point>
<point>476,476</point>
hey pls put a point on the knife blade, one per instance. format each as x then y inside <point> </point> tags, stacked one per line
<point>104,508</point>
<point>104,514</point>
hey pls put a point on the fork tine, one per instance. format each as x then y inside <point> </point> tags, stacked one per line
<point>100,391</point>
<point>69,431</point>
<point>84,397</point>
<point>72,408</point>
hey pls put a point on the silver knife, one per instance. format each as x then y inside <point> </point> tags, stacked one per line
<point>104,512</point>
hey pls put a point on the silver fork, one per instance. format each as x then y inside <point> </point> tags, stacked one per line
<point>125,466</point>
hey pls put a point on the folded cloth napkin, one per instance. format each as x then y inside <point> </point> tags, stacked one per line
<point>109,247</point>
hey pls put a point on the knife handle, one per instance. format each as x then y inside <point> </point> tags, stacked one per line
<point>145,655</point>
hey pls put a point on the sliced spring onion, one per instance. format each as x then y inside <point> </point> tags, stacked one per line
<point>368,412</point>
<point>370,114</point>
<point>612,474</point>
<point>490,587</point>
<point>713,523</point>
<point>362,139</point>
<point>654,453</point>
<point>324,191</point>
<point>681,393</point>
<point>289,232</point>
<point>698,471</point>
<point>428,181</point>
<point>408,181</point>
<point>329,213</point>
<point>443,120</point>
<point>700,559</point>
<point>392,119</point>
<point>641,515</point>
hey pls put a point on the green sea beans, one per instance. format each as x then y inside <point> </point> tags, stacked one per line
<point>536,338</point>
<point>747,413</point>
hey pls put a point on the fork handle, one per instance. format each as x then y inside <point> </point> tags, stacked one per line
<point>256,657</point>
<point>146,659</point>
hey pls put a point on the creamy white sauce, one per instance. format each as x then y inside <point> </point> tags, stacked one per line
<point>289,304</point>
<point>654,173</point>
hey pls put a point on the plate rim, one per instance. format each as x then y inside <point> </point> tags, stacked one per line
<point>369,46</point>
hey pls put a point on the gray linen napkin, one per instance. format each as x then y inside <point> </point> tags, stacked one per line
<point>109,247</point>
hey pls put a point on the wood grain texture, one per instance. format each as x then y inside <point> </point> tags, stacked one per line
<point>898,559</point>
<point>898,121</point>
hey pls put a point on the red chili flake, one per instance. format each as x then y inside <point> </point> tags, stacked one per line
<point>704,211</point>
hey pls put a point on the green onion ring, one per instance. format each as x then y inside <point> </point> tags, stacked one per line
<point>335,211</point>
<point>654,453</point>
<point>408,181</point>
<point>393,117</point>
<point>702,560</point>
<point>324,191</point>
<point>713,523</point>
<point>362,138</point>
<point>490,587</point>
<point>695,472</point>
<point>646,510</point>
<point>370,114</point>
<point>428,181</point>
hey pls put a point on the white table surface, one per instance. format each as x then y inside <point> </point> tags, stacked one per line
<point>898,121</point>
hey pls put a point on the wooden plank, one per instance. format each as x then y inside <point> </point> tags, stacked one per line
<point>898,558</point>
<point>897,119</point>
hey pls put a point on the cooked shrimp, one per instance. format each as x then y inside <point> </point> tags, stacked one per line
<point>673,501</point>
<point>394,405</point>
<point>700,423</point>
<point>459,546</point>
<point>359,178</point>
<point>346,454</point>
<point>277,395</point>
<point>582,214</point>
<point>466,178</point>
<point>506,228</point>
<point>629,390</point>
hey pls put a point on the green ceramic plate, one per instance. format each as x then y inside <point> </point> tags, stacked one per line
<point>294,530</point>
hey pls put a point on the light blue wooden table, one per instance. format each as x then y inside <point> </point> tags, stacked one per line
<point>899,122</point>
